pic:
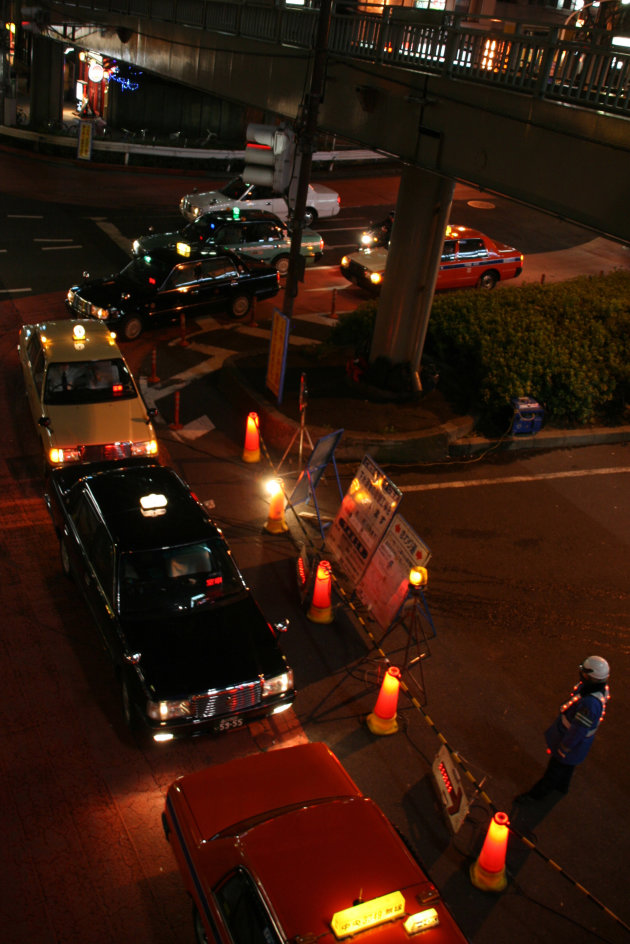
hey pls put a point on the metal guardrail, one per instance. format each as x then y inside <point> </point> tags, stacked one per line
<point>588,72</point>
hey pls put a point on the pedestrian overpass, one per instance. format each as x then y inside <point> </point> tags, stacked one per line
<point>543,119</point>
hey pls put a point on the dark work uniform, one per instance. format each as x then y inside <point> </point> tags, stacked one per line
<point>570,737</point>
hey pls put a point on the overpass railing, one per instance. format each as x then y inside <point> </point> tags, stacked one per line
<point>587,71</point>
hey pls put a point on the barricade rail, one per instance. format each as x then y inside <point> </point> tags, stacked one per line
<point>588,71</point>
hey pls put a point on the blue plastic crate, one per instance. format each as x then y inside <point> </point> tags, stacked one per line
<point>528,416</point>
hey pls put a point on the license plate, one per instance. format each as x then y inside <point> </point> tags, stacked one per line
<point>226,724</point>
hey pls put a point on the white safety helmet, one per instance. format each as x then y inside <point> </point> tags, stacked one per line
<point>595,669</point>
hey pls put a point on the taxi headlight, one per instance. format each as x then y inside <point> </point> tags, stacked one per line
<point>101,313</point>
<point>136,246</point>
<point>167,710</point>
<point>70,295</point>
<point>148,448</point>
<point>345,262</point>
<point>375,277</point>
<point>366,239</point>
<point>278,685</point>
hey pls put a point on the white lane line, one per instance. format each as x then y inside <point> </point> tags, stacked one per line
<point>12,291</point>
<point>114,234</point>
<point>57,248</point>
<point>49,239</point>
<point>516,479</point>
<point>25,216</point>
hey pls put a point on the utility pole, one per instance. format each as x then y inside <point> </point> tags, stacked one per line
<point>305,147</point>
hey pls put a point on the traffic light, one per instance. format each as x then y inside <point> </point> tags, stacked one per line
<point>269,155</point>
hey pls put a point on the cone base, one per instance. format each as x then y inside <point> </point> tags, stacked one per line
<point>276,526</point>
<point>381,725</point>
<point>251,455</point>
<point>487,881</point>
<point>317,614</point>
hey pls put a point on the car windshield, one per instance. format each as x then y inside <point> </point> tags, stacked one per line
<point>198,230</point>
<point>177,578</point>
<point>235,189</point>
<point>88,382</point>
<point>146,271</point>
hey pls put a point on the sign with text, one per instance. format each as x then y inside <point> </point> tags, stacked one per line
<point>363,518</point>
<point>276,362</point>
<point>385,581</point>
<point>84,141</point>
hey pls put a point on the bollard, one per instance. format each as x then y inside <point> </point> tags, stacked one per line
<point>488,872</point>
<point>383,719</point>
<point>333,304</point>
<point>542,279</point>
<point>182,330</point>
<point>176,424</point>
<point>153,379</point>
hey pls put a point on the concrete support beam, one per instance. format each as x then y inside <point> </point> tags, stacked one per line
<point>413,260</point>
<point>46,81</point>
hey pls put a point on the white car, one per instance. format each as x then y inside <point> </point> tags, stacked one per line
<point>321,201</point>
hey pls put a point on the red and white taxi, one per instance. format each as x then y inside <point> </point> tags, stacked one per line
<point>470,259</point>
<point>284,846</point>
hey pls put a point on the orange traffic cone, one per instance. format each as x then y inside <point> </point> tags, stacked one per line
<point>488,872</point>
<point>251,452</point>
<point>275,520</point>
<point>383,719</point>
<point>320,610</point>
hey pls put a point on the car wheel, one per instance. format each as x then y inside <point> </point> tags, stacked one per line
<point>65,558</point>
<point>310,216</point>
<point>282,264</point>
<point>240,305</point>
<point>488,280</point>
<point>200,931</point>
<point>131,328</point>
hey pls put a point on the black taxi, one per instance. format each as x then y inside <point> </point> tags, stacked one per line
<point>191,648</point>
<point>166,283</point>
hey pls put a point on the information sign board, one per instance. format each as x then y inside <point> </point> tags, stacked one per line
<point>278,345</point>
<point>363,518</point>
<point>385,581</point>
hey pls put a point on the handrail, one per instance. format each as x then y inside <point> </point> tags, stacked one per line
<point>587,72</point>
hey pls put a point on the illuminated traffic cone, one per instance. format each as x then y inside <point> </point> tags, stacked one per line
<point>251,452</point>
<point>383,719</point>
<point>320,610</point>
<point>488,872</point>
<point>275,520</point>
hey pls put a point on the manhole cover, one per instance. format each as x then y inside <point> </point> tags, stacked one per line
<point>481,204</point>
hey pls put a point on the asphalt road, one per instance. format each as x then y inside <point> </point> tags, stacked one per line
<point>528,576</point>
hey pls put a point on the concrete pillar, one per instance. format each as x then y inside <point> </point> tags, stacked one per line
<point>413,260</point>
<point>46,81</point>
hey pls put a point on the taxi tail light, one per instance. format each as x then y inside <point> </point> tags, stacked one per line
<point>61,456</point>
<point>148,448</point>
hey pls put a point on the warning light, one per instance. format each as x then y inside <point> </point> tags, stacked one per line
<point>428,918</point>
<point>183,249</point>
<point>368,914</point>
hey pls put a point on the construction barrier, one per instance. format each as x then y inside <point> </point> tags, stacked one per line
<point>251,450</point>
<point>320,610</point>
<point>383,719</point>
<point>176,423</point>
<point>488,872</point>
<point>153,379</point>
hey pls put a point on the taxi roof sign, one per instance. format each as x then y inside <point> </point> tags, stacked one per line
<point>368,914</point>
<point>183,249</point>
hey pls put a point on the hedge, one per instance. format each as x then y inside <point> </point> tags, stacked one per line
<point>566,344</point>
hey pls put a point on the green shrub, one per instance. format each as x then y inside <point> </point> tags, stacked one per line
<point>565,344</point>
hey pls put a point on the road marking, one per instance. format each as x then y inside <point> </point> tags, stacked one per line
<point>25,216</point>
<point>11,291</point>
<point>114,234</point>
<point>49,239</point>
<point>56,248</point>
<point>515,479</point>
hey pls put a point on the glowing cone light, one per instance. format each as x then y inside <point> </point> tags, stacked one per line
<point>488,872</point>
<point>383,718</point>
<point>275,520</point>
<point>320,610</point>
<point>251,452</point>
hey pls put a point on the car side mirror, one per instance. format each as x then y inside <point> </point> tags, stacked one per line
<point>85,275</point>
<point>152,413</point>
<point>282,626</point>
<point>133,657</point>
<point>44,421</point>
